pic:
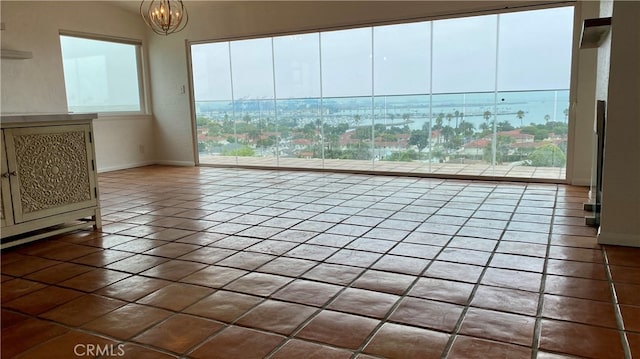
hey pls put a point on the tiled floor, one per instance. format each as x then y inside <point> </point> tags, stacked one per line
<point>232,263</point>
<point>395,167</point>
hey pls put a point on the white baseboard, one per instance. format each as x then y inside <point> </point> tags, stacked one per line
<point>145,163</point>
<point>619,239</point>
<point>125,166</point>
<point>176,163</point>
<point>581,182</point>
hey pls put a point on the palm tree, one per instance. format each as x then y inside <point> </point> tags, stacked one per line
<point>447,133</point>
<point>438,125</point>
<point>566,114</point>
<point>546,119</point>
<point>487,115</point>
<point>439,120</point>
<point>356,120</point>
<point>405,117</point>
<point>466,129</point>
<point>457,115</point>
<point>520,115</point>
<point>449,118</point>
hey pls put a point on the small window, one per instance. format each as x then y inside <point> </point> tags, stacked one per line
<point>101,76</point>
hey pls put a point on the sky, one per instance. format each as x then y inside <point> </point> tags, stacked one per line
<point>528,50</point>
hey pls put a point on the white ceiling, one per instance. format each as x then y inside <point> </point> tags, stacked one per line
<point>129,5</point>
<point>134,5</point>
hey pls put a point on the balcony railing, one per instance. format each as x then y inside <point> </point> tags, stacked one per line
<point>522,134</point>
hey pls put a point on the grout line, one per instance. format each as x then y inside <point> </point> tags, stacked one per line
<point>300,276</point>
<point>458,326</point>
<point>393,308</point>
<point>451,189</point>
<point>537,330</point>
<point>333,299</point>
<point>616,306</point>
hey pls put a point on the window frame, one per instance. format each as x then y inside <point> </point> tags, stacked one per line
<point>140,69</point>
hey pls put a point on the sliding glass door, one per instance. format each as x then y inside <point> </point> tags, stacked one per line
<point>482,96</point>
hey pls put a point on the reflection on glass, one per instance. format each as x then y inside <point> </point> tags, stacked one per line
<point>297,66</point>
<point>297,79</point>
<point>211,72</point>
<point>215,125</point>
<point>256,129</point>
<point>100,76</point>
<point>535,57</point>
<point>401,59</point>
<point>253,92</point>
<point>402,128</point>
<point>533,126</point>
<point>252,69</point>
<point>346,63</point>
<point>464,54</point>
<point>300,128</point>
<point>348,128</point>
<point>462,128</point>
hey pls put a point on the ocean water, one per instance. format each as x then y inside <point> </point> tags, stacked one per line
<point>412,110</point>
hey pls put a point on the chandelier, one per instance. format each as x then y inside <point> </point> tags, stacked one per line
<point>164,17</point>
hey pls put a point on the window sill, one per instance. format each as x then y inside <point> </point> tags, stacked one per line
<point>123,116</point>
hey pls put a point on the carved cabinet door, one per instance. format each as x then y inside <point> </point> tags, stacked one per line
<point>6,216</point>
<point>53,170</point>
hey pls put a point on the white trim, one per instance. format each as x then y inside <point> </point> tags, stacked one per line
<point>140,67</point>
<point>586,182</point>
<point>100,37</point>
<point>146,163</point>
<point>125,166</point>
<point>176,163</point>
<point>114,116</point>
<point>619,239</point>
<point>192,105</point>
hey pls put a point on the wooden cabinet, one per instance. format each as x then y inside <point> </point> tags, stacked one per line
<point>49,182</point>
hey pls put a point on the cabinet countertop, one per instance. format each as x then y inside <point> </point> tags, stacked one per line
<point>28,119</point>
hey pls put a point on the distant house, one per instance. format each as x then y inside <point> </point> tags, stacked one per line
<point>475,148</point>
<point>520,140</point>
<point>301,143</point>
<point>401,141</point>
<point>345,138</point>
<point>305,154</point>
<point>518,136</point>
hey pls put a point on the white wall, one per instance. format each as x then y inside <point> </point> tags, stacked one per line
<point>171,108</point>
<point>124,142</point>
<point>582,114</point>
<point>37,84</point>
<point>620,215</point>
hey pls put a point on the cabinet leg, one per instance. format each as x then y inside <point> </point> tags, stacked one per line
<point>97,220</point>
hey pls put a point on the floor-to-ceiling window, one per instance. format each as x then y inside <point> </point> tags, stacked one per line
<point>298,99</point>
<point>479,95</point>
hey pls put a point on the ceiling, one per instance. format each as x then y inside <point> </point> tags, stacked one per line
<point>134,5</point>
<point>129,5</point>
